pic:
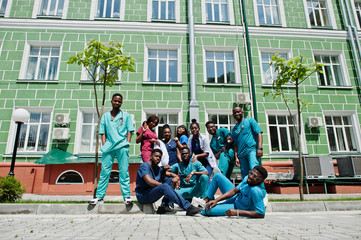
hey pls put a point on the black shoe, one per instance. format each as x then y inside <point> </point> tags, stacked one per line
<point>165,209</point>
<point>192,210</point>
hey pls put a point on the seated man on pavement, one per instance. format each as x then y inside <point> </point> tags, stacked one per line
<point>193,176</point>
<point>150,186</point>
<point>244,200</point>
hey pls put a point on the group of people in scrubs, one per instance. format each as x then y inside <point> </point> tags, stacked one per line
<point>186,170</point>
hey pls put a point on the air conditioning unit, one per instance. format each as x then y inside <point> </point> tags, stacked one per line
<point>314,122</point>
<point>62,119</point>
<point>61,133</point>
<point>314,167</point>
<point>243,98</point>
<point>349,166</point>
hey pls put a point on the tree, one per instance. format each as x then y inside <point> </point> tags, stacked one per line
<point>102,64</point>
<point>293,71</point>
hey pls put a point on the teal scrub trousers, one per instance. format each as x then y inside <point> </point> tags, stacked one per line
<point>123,164</point>
<point>198,190</point>
<point>226,162</point>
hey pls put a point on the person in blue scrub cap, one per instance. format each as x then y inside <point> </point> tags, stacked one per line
<point>244,200</point>
<point>116,128</point>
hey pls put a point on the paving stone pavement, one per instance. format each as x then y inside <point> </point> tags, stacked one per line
<point>311,225</point>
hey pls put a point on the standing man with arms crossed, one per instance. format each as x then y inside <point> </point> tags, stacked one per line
<point>247,140</point>
<point>116,128</point>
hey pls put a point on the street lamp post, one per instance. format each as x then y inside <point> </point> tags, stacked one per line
<point>20,116</point>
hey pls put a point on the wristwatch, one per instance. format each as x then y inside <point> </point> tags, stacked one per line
<point>260,149</point>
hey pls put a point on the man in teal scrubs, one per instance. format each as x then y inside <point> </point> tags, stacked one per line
<point>221,145</point>
<point>116,128</point>
<point>193,176</point>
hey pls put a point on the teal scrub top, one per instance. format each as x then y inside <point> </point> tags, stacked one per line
<point>220,140</point>
<point>115,130</point>
<point>250,198</point>
<point>183,172</point>
<point>245,135</point>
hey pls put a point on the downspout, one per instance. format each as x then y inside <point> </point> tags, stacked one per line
<point>249,58</point>
<point>354,29</point>
<point>193,105</point>
<point>352,40</point>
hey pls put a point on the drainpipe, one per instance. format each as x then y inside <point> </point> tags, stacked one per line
<point>352,40</point>
<point>193,105</point>
<point>354,29</point>
<point>249,58</point>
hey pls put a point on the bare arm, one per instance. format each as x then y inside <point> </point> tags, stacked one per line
<point>129,136</point>
<point>150,181</point>
<point>224,196</point>
<point>235,149</point>
<point>140,136</point>
<point>239,212</point>
<point>260,141</point>
<point>103,136</point>
<point>202,155</point>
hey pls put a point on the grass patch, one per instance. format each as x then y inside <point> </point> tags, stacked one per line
<point>315,200</point>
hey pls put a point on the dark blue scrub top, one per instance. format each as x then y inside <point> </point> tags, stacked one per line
<point>172,152</point>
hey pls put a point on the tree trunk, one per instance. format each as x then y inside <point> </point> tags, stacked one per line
<point>299,141</point>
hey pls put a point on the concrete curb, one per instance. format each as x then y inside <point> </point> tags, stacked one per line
<point>71,209</point>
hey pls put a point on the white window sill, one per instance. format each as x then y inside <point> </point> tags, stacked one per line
<point>106,19</point>
<point>223,84</point>
<point>335,87</point>
<point>25,154</point>
<point>223,23</point>
<point>37,81</point>
<point>163,20</point>
<point>285,155</point>
<point>91,82</point>
<point>163,83</point>
<point>49,16</point>
<point>283,86</point>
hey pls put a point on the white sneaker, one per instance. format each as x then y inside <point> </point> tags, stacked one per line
<point>198,202</point>
<point>96,201</point>
<point>128,200</point>
<point>265,201</point>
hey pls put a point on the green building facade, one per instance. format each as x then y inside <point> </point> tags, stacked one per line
<point>37,37</point>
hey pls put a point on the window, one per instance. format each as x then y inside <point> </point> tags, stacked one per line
<point>99,71</point>
<point>282,134</point>
<point>70,177</point>
<point>268,71</point>
<point>268,12</point>
<point>166,118</point>
<point>3,4</point>
<point>52,8</point>
<point>222,119</point>
<point>358,12</point>
<point>108,9</point>
<point>34,134</point>
<point>220,67</point>
<point>43,63</point>
<point>88,133</point>
<point>163,9</point>
<point>162,65</point>
<point>217,10</point>
<point>318,12</point>
<point>341,133</point>
<point>332,71</point>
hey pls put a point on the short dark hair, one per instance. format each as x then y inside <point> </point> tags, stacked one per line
<point>117,95</point>
<point>262,171</point>
<point>152,119</point>
<point>185,148</point>
<point>194,121</point>
<point>166,126</point>
<point>209,122</point>
<point>156,150</point>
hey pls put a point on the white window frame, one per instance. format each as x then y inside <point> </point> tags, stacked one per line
<point>13,127</point>
<point>157,111</point>
<point>330,15</point>
<point>57,179</point>
<point>230,13</point>
<point>358,23</point>
<point>84,76</point>
<point>176,12</point>
<point>79,125</point>
<point>37,8</point>
<point>222,49</point>
<point>94,9</point>
<point>281,12</point>
<point>343,67</point>
<point>8,8</point>
<point>26,55</point>
<point>170,47</point>
<point>285,113</point>
<point>214,111</point>
<point>273,51</point>
<point>355,124</point>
